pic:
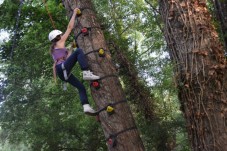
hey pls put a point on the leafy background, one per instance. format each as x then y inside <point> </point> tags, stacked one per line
<point>36,114</point>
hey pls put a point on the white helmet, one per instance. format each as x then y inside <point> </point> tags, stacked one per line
<point>53,34</point>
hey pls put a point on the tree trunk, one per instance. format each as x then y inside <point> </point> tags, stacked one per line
<point>200,71</point>
<point>221,15</point>
<point>141,96</point>
<point>110,90</point>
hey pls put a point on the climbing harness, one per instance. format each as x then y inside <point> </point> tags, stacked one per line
<point>66,76</point>
<point>64,71</point>
<point>112,139</point>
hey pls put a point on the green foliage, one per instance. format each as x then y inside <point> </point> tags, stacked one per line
<point>135,28</point>
<point>36,111</point>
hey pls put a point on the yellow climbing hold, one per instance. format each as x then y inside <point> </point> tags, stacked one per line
<point>78,12</point>
<point>101,51</point>
<point>74,45</point>
<point>109,109</point>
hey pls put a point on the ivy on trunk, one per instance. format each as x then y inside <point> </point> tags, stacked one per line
<point>200,71</point>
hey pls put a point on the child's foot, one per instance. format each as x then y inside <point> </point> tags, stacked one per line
<point>88,110</point>
<point>88,75</point>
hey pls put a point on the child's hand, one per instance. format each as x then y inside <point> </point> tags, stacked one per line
<point>76,10</point>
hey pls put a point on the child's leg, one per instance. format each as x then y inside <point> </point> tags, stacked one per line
<point>79,56</point>
<point>82,91</point>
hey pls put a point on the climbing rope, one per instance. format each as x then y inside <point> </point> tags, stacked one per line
<point>49,14</point>
<point>16,28</point>
<point>112,139</point>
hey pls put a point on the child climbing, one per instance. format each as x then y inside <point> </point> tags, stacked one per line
<point>64,62</point>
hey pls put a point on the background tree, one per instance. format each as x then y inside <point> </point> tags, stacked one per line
<point>200,71</point>
<point>220,8</point>
<point>49,117</point>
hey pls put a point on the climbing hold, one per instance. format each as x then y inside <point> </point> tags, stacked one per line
<point>110,110</point>
<point>95,84</point>
<point>74,44</point>
<point>112,142</point>
<point>84,31</point>
<point>101,52</point>
<point>78,13</point>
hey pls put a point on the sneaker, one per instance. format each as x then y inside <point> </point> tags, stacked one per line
<point>88,110</point>
<point>88,75</point>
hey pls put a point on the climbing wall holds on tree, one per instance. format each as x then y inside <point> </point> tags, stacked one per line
<point>78,13</point>
<point>112,142</point>
<point>84,31</point>
<point>101,52</point>
<point>110,110</point>
<point>95,84</point>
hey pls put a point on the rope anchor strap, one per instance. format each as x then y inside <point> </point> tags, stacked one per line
<point>96,83</point>
<point>109,107</point>
<point>100,51</point>
<point>112,139</point>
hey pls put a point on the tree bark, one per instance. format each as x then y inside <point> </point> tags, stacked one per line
<point>221,15</point>
<point>200,71</point>
<point>110,90</point>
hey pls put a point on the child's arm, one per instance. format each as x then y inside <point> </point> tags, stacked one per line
<point>69,28</point>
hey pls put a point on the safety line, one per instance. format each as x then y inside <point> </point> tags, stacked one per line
<point>48,12</point>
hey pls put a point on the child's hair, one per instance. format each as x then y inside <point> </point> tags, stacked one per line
<point>54,41</point>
